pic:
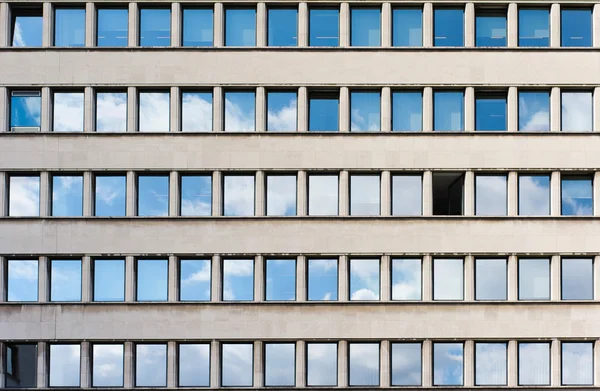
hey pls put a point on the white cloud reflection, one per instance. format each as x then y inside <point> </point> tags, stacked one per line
<point>577,112</point>
<point>24,196</point>
<point>68,112</point>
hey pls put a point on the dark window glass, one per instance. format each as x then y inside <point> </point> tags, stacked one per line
<point>323,112</point>
<point>324,27</point>
<point>112,27</point>
<point>197,27</point>
<point>490,112</point>
<point>21,366</point>
<point>283,27</point>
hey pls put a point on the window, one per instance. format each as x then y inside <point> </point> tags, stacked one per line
<point>194,365</point>
<point>448,27</point>
<point>490,364</point>
<point>153,195</point>
<point>155,27</point>
<point>534,27</point>
<point>281,195</point>
<point>448,279</point>
<point>240,108</point>
<point>406,279</point>
<point>407,194</point>
<point>448,109</point>
<point>490,279</point>
<point>197,27</point>
<point>152,279</point>
<point>577,363</point>
<point>490,28</point>
<point>323,112</point>
<point>69,27</point>
<point>364,364</point>
<point>196,195</point>
<point>324,27</point>
<point>67,195</point>
<point>490,111</point>
<point>407,111</point>
<point>365,26</point>
<point>21,366</point>
<point>23,195</point>
<point>576,27</point>
<point>364,195</point>
<point>490,195</point>
<point>534,111</point>
<point>111,112</point>
<point>577,112</point>
<point>26,27</point>
<point>155,111</point>
<point>195,277</point>
<point>22,281</point>
<point>65,365</point>
<point>109,280</point>
<point>110,195</point>
<point>321,364</point>
<point>323,195</point>
<point>238,195</point>
<point>365,109</point>
<point>576,195</point>
<point>25,110</point>
<point>112,27</point>
<point>448,193</point>
<point>280,279</point>
<point>534,364</point>
<point>68,112</point>
<point>322,279</point>
<point>240,27</point>
<point>107,362</point>
<point>280,364</point>
<point>577,279</point>
<point>236,364</point>
<point>534,279</point>
<point>406,364</point>
<point>282,111</point>
<point>407,27</point>
<point>238,280</point>
<point>151,365</point>
<point>364,279</point>
<point>65,280</point>
<point>534,195</point>
<point>196,111</point>
<point>283,27</point>
<point>448,361</point>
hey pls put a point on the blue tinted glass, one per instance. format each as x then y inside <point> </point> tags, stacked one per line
<point>323,113</point>
<point>448,364</point>
<point>534,27</point>
<point>281,279</point>
<point>240,108</point>
<point>112,27</point>
<point>364,279</point>
<point>196,195</point>
<point>490,30</point>
<point>195,277</point>
<point>196,112</point>
<point>110,196</point>
<point>407,111</point>
<point>322,279</point>
<point>25,109</point>
<point>490,113</point>
<point>283,27</point>
<point>152,277</point>
<point>576,27</point>
<point>197,27</point>
<point>407,27</point>
<point>65,280</point>
<point>27,31</point>
<point>365,111</point>
<point>448,109</point>
<point>68,112</point>
<point>324,27</point>
<point>67,196</point>
<point>238,279</point>
<point>69,27</point>
<point>109,280</point>
<point>365,27</point>
<point>534,111</point>
<point>240,27</point>
<point>448,28</point>
<point>155,27</point>
<point>111,112</point>
<point>576,195</point>
<point>282,111</point>
<point>153,195</point>
<point>22,280</point>
<point>406,279</point>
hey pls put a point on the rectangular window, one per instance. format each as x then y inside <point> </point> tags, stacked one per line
<point>196,195</point>
<point>407,111</point>
<point>406,279</point>
<point>577,279</point>
<point>576,195</point>
<point>577,363</point>
<point>448,364</point>
<point>240,109</point>
<point>109,280</point>
<point>153,195</point>
<point>534,111</point>
<point>365,109</point>
<point>240,27</point>
<point>490,364</point>
<point>25,111</point>
<point>196,111</point>
<point>154,112</point>
<point>151,365</point>
<point>407,195</point>
<point>323,195</point>
<point>65,280</point>
<point>406,364</point>
<point>155,27</point>
<point>237,364</point>
<point>282,111</point>
<point>364,195</point>
<point>282,27</point>
<point>364,279</point>
<point>107,365</point>
<point>534,364</point>
<point>111,111</point>
<point>322,279</point>
<point>365,26</point>
<point>22,280</point>
<point>448,279</point>
<point>26,27</point>
<point>280,364</point>
<point>65,362</point>
<point>490,279</point>
<point>67,195</point>
<point>534,27</point>
<point>69,27</point>
<point>576,27</point>
<point>448,27</point>
<point>577,113</point>
<point>448,193</point>
<point>490,28</point>
<point>68,112</point>
<point>197,27</point>
<point>363,364</point>
<point>534,279</point>
<point>112,27</point>
<point>194,365</point>
<point>195,277</point>
<point>21,366</point>
<point>109,196</point>
<point>321,364</point>
<point>448,110</point>
<point>152,279</point>
<point>238,279</point>
<point>324,27</point>
<point>281,195</point>
<point>23,195</point>
<point>534,195</point>
<point>280,280</point>
<point>238,195</point>
<point>407,27</point>
<point>323,111</point>
<point>490,112</point>
<point>491,195</point>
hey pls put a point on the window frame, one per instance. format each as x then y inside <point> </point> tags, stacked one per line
<point>138,105</point>
<point>564,91</point>
<point>32,93</point>
<point>266,191</point>
<point>377,174</point>
<point>58,174</point>
<point>193,6</point>
<point>405,7</point>
<point>405,174</point>
<point>324,8</point>
<point>460,7</point>
<point>462,112</point>
<point>354,7</point>
<point>200,90</point>
<point>492,95</point>
<point>284,91</point>
<point>155,6</point>
<point>326,174</point>
<point>54,26</point>
<point>537,8</point>
<point>241,7</point>
<point>577,7</point>
<point>53,110</point>
<point>25,174</point>
<point>179,281</point>
<point>281,7</point>
<point>7,278</point>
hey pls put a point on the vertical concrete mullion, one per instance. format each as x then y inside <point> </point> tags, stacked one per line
<point>596,96</point>
<point>218,110</point>
<point>342,364</point>
<point>386,193</point>
<point>555,108</point>
<point>88,109</point>
<point>344,115</point>
<point>427,278</point>
<point>301,278</point>
<point>133,25</point>
<point>343,279</point>
<point>3,194</point>
<point>128,370</point>
<point>215,365</point>
<point>555,278</point>
<point>259,278</point>
<point>344,25</point>
<point>86,365</point>
<point>45,194</point>
<point>427,109</point>
<point>46,110</point>
<point>343,193</point>
<point>555,367</point>
<point>512,24</point>
<point>5,24</point>
<point>596,353</point>
<point>513,194</point>
<point>219,25</point>
<point>470,108</point>
<point>47,24</point>
<point>469,194</point>
<point>512,278</point>
<point>512,115</point>
<point>596,38</point>
<point>173,280</point>
<point>42,364</point>
<point>428,25</point>
<point>90,24</point>
<point>176,24</point>
<point>132,108</point>
<point>300,364</point>
<point>86,280</point>
<point>386,278</point>
<point>88,194</point>
<point>469,278</point>
<point>427,363</point>
<point>386,25</point>
<point>261,109</point>
<point>258,381</point>
<point>469,363</point>
<point>555,193</point>
<point>4,106</point>
<point>3,288</point>
<point>131,194</point>
<point>216,280</point>
<point>596,268</point>
<point>301,194</point>
<point>302,109</point>
<point>427,193</point>
<point>130,279</point>
<point>470,25</point>
<point>261,24</point>
<point>555,25</point>
<point>217,193</point>
<point>174,193</point>
<point>384,365</point>
<point>512,364</point>
<point>303,24</point>
<point>43,279</point>
<point>175,112</point>
<point>171,364</point>
<point>386,108</point>
<point>260,194</point>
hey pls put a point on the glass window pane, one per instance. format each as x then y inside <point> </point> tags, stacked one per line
<point>448,279</point>
<point>25,110</point>
<point>323,279</point>
<point>364,279</point>
<point>240,27</point>
<point>406,364</point>
<point>576,112</point>
<point>448,109</point>
<point>490,364</point>
<point>65,365</point>
<point>152,279</point>
<point>112,27</point>
<point>364,195</point>
<point>534,364</point>
<point>151,365</point>
<point>69,27</point>
<point>323,195</point>
<point>107,368</point>
<point>282,111</point>
<point>110,196</point>
<point>576,27</point>
<point>365,27</point>
<point>240,111</point>
<point>68,112</point>
<point>407,27</point>
<point>153,195</point>
<point>534,27</point>
<point>281,195</point>
<point>24,196</point>
<point>21,365</point>
<point>27,29</point>
<point>534,195</point>
<point>154,112</point>
<point>323,112</point>
<point>576,196</point>
<point>406,279</point>
<point>238,279</point>
<point>448,27</point>
<point>577,363</point>
<point>155,27</point>
<point>197,27</point>
<point>111,112</point>
<point>490,195</point>
<point>196,112</point>
<point>194,279</point>
<point>407,111</point>
<point>324,27</point>
<point>490,29</point>
<point>238,195</point>
<point>109,280</point>
<point>321,364</point>
<point>364,364</point>
<point>365,108</point>
<point>22,280</point>
<point>490,112</point>
<point>65,280</point>
<point>196,195</point>
<point>236,365</point>
<point>194,365</point>
<point>280,364</point>
<point>407,195</point>
<point>577,279</point>
<point>534,111</point>
<point>281,279</point>
<point>490,279</point>
<point>67,195</point>
<point>534,279</point>
<point>283,27</point>
<point>448,359</point>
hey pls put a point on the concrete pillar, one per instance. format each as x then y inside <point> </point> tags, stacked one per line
<point>555,194</point>
<point>133,25</point>
<point>132,107</point>
<point>171,364</point>
<point>303,24</point>
<point>174,195</point>
<point>512,110</point>
<point>218,108</point>
<point>261,24</point>
<point>3,287</point>
<point>384,365</point>
<point>555,25</point>
<point>596,43</point>
<point>46,109</point>
<point>512,278</point>
<point>131,194</point>
<point>86,365</point>
<point>344,115</point>
<point>261,108</point>
<point>427,193</point>
<point>45,194</point>
<point>43,280</point>
<point>4,105</point>
<point>344,25</point>
<point>470,108</point>
<point>259,278</point>
<point>427,27</point>
<point>302,194</point>
<point>386,193</point>
<point>43,364</point>
<point>512,363</point>
<point>88,108</point>
<point>343,193</point>
<point>216,282</point>
<point>301,278</point>
<point>596,98</point>
<point>469,278</point>
<point>386,25</point>
<point>513,194</point>
<point>215,364</point>
<point>128,370</point>
<point>386,278</point>
<point>217,194</point>
<point>47,23</point>
<point>343,280</point>
<point>5,26</point>
<point>90,26</point>
<point>555,124</point>
<point>173,280</point>
<point>302,109</point>
<point>386,107</point>
<point>300,364</point>
<point>427,363</point>
<point>427,278</point>
<point>176,22</point>
<point>427,108</point>
<point>512,26</point>
<point>258,380</point>
<point>129,281</point>
<point>555,282</point>
<point>555,367</point>
<point>469,194</point>
<point>260,194</point>
<point>342,364</point>
<point>175,112</point>
<point>87,284</point>
<point>470,25</point>
<point>3,194</point>
<point>469,363</point>
<point>88,193</point>
<point>219,25</point>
